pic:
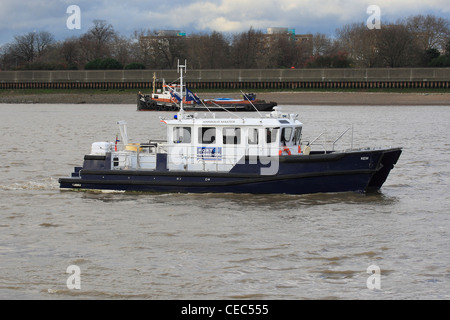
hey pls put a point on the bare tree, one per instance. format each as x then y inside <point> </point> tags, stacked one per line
<point>95,43</point>
<point>102,33</point>
<point>360,43</point>
<point>164,48</point>
<point>32,45</point>
<point>43,40</point>
<point>430,32</point>
<point>121,50</point>
<point>24,46</point>
<point>247,49</point>
<point>219,50</point>
<point>86,50</point>
<point>170,49</point>
<point>397,47</point>
<point>70,52</point>
<point>282,52</point>
<point>322,44</point>
<point>414,41</point>
<point>142,50</point>
<point>8,59</point>
<point>208,51</point>
<point>304,52</point>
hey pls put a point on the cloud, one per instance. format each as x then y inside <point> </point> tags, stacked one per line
<point>306,16</point>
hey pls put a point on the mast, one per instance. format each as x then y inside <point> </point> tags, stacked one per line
<point>180,71</point>
<point>154,82</point>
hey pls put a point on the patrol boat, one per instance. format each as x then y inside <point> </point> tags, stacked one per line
<point>264,154</point>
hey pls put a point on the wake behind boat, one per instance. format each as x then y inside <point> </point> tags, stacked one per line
<point>233,154</point>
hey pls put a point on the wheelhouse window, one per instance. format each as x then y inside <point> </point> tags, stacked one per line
<point>271,135</point>
<point>297,135</point>
<point>231,135</point>
<point>252,136</point>
<point>182,135</point>
<point>286,135</point>
<point>207,135</point>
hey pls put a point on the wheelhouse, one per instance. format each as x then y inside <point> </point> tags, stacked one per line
<point>218,144</point>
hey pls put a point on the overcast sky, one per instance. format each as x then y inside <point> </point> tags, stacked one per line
<point>18,17</point>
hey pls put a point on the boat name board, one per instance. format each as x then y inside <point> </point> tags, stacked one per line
<point>209,153</point>
<point>219,121</point>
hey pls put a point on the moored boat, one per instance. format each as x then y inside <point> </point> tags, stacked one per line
<point>169,99</point>
<point>233,154</point>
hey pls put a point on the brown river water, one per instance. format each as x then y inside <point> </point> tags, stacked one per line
<point>222,246</point>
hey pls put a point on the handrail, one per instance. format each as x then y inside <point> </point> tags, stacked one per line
<point>311,143</point>
<point>342,134</point>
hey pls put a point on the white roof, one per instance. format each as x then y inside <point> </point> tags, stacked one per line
<point>273,119</point>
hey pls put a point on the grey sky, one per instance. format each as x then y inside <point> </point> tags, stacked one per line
<point>18,17</point>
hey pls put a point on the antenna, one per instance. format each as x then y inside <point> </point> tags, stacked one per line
<point>123,131</point>
<point>245,96</point>
<point>225,109</point>
<point>180,71</point>
<point>205,106</point>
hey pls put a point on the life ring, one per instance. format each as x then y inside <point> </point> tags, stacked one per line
<point>285,149</point>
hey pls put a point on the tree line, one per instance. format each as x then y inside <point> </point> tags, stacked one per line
<point>417,41</point>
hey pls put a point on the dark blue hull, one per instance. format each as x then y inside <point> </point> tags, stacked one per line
<point>361,171</point>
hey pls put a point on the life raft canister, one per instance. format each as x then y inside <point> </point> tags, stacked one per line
<point>285,149</point>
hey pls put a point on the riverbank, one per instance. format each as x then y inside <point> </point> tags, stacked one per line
<point>282,98</point>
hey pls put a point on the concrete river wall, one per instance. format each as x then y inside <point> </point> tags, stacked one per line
<point>231,78</point>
